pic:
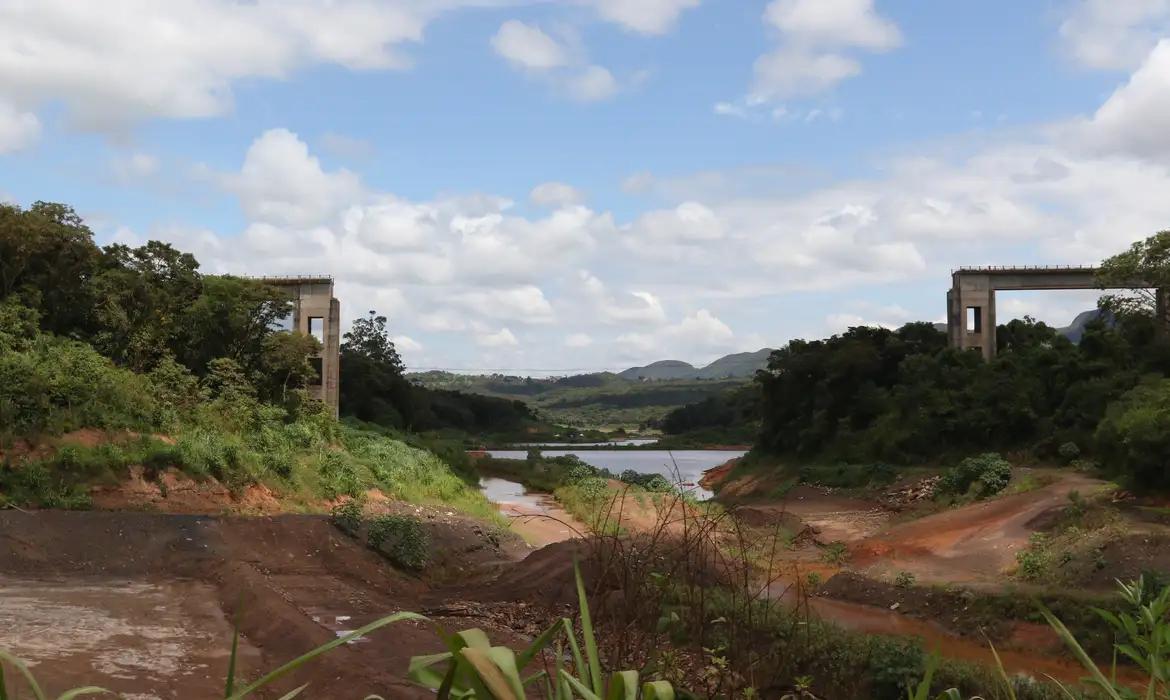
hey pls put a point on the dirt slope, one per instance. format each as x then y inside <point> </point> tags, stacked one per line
<point>973,544</point>
<point>177,578</point>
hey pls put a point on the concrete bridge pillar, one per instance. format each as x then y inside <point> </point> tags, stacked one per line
<point>971,314</point>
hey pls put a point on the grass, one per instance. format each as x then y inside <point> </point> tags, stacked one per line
<point>301,463</point>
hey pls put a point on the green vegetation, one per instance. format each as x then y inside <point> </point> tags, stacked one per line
<point>904,397</point>
<point>473,668</point>
<point>589,402</point>
<point>976,477</point>
<point>132,344</point>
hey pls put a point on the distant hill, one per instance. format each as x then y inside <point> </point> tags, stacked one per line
<point>1076,330</point>
<point>740,365</point>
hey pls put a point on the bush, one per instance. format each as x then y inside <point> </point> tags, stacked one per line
<point>980,477</point>
<point>402,539</point>
<point>347,517</point>
<point>895,665</point>
<point>905,579</point>
<point>1134,436</point>
<point>1069,452</point>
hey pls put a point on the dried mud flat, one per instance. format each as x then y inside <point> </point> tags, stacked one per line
<point>142,603</point>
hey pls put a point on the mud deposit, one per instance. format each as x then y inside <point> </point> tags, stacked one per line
<point>142,639</point>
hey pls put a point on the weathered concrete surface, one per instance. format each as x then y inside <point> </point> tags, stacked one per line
<point>974,289</point>
<point>316,312</point>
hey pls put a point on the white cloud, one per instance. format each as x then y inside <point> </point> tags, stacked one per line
<point>556,194</point>
<point>525,304</point>
<point>592,84</point>
<point>394,225</point>
<point>814,35</point>
<point>18,129</point>
<point>853,23</point>
<point>644,16</point>
<point>697,335</point>
<point>406,344</point>
<point>564,67</point>
<point>578,340</point>
<point>1109,34</point>
<point>1135,117</point>
<point>281,183</point>
<point>689,222</point>
<point>110,72</point>
<point>528,47</point>
<point>134,166</point>
<point>502,338</point>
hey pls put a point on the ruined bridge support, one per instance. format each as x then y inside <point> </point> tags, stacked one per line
<point>317,313</point>
<point>971,298</point>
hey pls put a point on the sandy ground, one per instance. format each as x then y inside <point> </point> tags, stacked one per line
<point>972,545</point>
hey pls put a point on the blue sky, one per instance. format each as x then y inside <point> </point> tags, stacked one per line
<point>587,184</point>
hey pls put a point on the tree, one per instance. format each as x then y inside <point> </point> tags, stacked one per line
<point>47,259</point>
<point>1147,263</point>
<point>286,363</point>
<point>232,318</point>
<point>372,386</point>
<point>141,295</point>
<point>368,338</point>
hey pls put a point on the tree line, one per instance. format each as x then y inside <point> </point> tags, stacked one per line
<point>150,309</point>
<point>904,396</point>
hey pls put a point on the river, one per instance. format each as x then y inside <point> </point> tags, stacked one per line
<point>679,466</point>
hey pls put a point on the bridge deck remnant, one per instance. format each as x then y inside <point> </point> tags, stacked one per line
<point>971,298</point>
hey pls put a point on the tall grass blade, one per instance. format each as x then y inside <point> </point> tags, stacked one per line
<point>79,692</point>
<point>593,658</point>
<point>22,669</point>
<point>578,660</point>
<point>1078,651</point>
<point>3,685</point>
<point>324,648</point>
<point>922,691</point>
<point>657,690</point>
<point>230,684</point>
<point>294,692</point>
<point>623,685</point>
<point>1007,682</point>
<point>525,657</point>
<point>584,692</point>
<point>489,674</point>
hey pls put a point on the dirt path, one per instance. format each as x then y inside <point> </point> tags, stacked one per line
<point>833,518</point>
<point>542,524</point>
<point>972,545</point>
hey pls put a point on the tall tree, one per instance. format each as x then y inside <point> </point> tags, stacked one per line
<point>47,259</point>
<point>1146,262</point>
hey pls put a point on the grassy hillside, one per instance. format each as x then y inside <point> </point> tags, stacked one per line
<point>592,401</point>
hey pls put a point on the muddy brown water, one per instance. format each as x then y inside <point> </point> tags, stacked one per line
<point>146,641</point>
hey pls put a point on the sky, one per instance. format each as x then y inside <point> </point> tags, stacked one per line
<point>555,186</point>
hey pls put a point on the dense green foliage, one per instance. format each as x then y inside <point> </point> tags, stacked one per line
<point>135,342</point>
<point>374,390</point>
<point>979,477</point>
<point>729,418</point>
<point>590,401</point>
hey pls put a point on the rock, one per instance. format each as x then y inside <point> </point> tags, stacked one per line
<point>895,606</point>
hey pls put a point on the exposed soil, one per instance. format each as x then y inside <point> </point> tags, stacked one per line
<point>972,545</point>
<point>832,517</point>
<point>173,580</point>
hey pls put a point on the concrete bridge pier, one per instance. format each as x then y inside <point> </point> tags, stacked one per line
<point>971,299</point>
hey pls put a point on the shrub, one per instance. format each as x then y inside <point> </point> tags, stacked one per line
<point>835,553</point>
<point>980,477</point>
<point>402,539</point>
<point>894,666</point>
<point>1134,435</point>
<point>904,579</point>
<point>338,475</point>
<point>347,517</point>
<point>1069,452</point>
